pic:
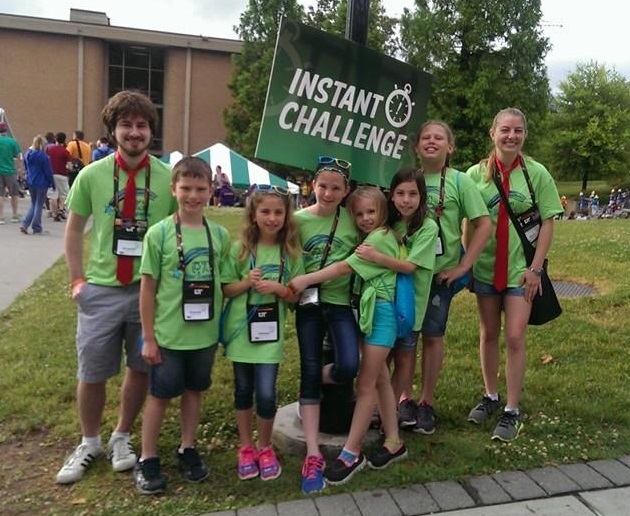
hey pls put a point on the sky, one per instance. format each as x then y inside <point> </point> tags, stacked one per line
<point>579,31</point>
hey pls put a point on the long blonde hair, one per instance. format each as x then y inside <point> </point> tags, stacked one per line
<point>288,237</point>
<point>489,161</point>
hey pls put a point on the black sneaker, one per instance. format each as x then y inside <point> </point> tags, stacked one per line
<point>191,465</point>
<point>484,409</point>
<point>425,419</point>
<point>339,473</point>
<point>148,477</point>
<point>383,457</point>
<point>407,410</point>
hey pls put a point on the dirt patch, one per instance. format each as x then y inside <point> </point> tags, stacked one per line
<point>28,467</point>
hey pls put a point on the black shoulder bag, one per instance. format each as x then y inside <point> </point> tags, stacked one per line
<point>545,306</point>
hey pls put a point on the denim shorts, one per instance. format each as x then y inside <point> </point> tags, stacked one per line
<point>257,380</point>
<point>486,289</point>
<point>383,325</point>
<point>408,343</point>
<point>181,371</point>
<point>436,316</point>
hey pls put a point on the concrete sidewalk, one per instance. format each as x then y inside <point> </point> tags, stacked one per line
<point>23,258</point>
<point>594,488</point>
<point>590,489</point>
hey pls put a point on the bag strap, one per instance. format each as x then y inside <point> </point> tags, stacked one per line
<point>76,142</point>
<point>331,235</point>
<point>528,248</point>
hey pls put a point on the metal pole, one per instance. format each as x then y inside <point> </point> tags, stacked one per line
<point>357,21</point>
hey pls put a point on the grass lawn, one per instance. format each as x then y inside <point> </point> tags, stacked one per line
<point>575,397</point>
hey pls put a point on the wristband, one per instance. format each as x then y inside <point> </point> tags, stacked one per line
<point>76,282</point>
<point>537,272</point>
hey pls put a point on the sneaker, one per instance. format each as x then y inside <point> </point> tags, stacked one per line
<point>268,463</point>
<point>508,427</point>
<point>313,474</point>
<point>57,218</point>
<point>247,465</point>
<point>425,423</point>
<point>77,463</point>
<point>339,472</point>
<point>23,230</point>
<point>484,409</point>
<point>383,457</point>
<point>191,465</point>
<point>407,413</point>
<point>43,232</point>
<point>2,221</point>
<point>147,476</point>
<point>120,453</point>
<point>16,218</point>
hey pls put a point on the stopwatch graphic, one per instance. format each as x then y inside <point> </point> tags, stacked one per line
<point>398,106</point>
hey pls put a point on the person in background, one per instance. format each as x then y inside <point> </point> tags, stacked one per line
<point>180,308</point>
<point>260,266</point>
<point>80,154</point>
<point>59,160</point>
<point>39,178</point>
<point>102,149</point>
<point>123,203</point>
<point>10,161</point>
<point>502,280</point>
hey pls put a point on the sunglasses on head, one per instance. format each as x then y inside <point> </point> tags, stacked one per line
<point>272,189</point>
<point>332,164</point>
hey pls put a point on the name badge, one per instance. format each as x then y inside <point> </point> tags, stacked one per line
<point>264,323</point>
<point>197,301</point>
<point>439,246</point>
<point>530,222</point>
<point>310,297</point>
<point>128,235</point>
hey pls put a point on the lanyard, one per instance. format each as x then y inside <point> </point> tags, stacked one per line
<point>180,245</point>
<point>147,190</point>
<point>252,265</point>
<point>330,238</point>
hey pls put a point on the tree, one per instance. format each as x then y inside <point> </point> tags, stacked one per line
<point>589,130</point>
<point>484,55</point>
<point>258,29</point>
<point>330,16</point>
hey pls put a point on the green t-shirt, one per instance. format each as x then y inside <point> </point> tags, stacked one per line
<point>421,252</point>
<point>461,200</point>
<point>314,233</point>
<point>160,260</point>
<point>236,327</point>
<point>9,150</point>
<point>383,280</point>
<point>93,194</point>
<point>520,200</point>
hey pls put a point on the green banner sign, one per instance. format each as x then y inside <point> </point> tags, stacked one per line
<point>331,96</point>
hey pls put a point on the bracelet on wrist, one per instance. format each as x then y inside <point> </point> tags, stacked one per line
<point>537,272</point>
<point>76,282</point>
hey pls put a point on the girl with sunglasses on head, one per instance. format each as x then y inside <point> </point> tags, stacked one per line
<point>408,216</point>
<point>451,198</point>
<point>327,236</point>
<point>377,321</point>
<point>260,265</point>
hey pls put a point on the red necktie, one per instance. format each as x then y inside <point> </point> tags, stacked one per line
<point>503,229</point>
<point>124,269</point>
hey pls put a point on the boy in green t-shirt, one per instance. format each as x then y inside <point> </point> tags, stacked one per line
<point>180,305</point>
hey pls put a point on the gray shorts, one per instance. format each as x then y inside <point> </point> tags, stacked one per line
<point>10,182</point>
<point>108,319</point>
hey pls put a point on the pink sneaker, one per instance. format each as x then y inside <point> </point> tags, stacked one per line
<point>268,462</point>
<point>247,466</point>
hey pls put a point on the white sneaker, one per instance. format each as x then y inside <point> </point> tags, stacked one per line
<point>121,453</point>
<point>77,463</point>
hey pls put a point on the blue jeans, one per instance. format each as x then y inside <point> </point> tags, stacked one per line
<point>34,214</point>
<point>313,322</point>
<point>259,379</point>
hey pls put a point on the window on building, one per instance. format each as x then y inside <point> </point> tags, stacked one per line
<point>139,68</point>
